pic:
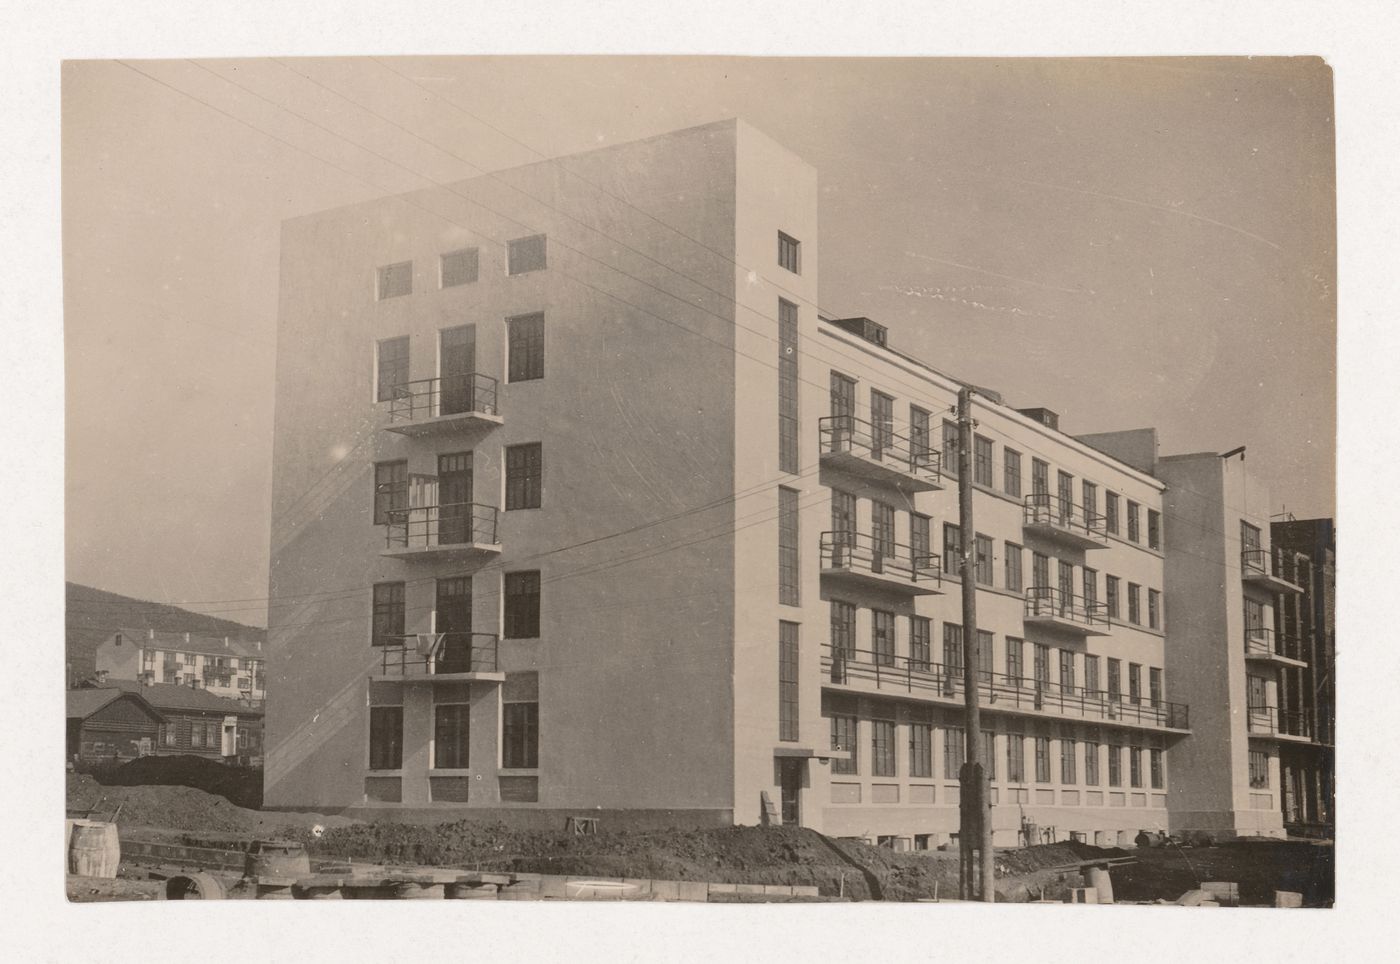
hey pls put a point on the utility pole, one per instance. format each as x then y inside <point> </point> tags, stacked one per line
<point>977,866</point>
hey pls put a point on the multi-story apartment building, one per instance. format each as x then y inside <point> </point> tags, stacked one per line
<point>1307,636</point>
<point>226,667</point>
<point>582,505</point>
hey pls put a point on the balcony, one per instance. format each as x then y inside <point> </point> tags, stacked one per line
<point>1063,522</point>
<point>1271,723</point>
<point>857,560</point>
<point>877,454</point>
<point>431,406</point>
<point>456,532</point>
<point>1261,644</point>
<point>1048,608</point>
<point>441,658</point>
<point>214,676</point>
<point>864,671</point>
<point>1262,568</point>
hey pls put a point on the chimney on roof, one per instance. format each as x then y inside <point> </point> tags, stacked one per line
<point>258,643</point>
<point>225,642</point>
<point>187,639</point>
<point>872,332</point>
<point>151,634</point>
<point>1042,415</point>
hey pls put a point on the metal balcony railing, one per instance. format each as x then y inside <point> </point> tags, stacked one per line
<point>430,526</point>
<point>883,670</point>
<point>1258,641</point>
<point>1048,602</point>
<point>1271,721</point>
<point>846,435</point>
<point>1056,517</point>
<point>458,653</point>
<point>863,555</point>
<point>1270,568</point>
<point>464,394</point>
<point>219,676</point>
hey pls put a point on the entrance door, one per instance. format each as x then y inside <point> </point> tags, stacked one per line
<point>843,410</point>
<point>790,773</point>
<point>454,498</point>
<point>456,363</point>
<point>454,618</point>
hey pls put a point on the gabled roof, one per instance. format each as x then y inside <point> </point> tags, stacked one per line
<point>84,703</point>
<point>208,645</point>
<point>166,696</point>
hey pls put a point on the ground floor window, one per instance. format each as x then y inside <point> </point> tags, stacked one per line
<point>451,735</point>
<point>522,736</point>
<point>843,737</point>
<point>1258,770</point>
<point>954,752</point>
<point>1158,777</point>
<point>386,737</point>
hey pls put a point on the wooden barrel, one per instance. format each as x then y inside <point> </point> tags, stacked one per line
<point>94,849</point>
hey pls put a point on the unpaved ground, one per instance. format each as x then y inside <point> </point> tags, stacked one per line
<point>182,808</point>
<point>1259,867</point>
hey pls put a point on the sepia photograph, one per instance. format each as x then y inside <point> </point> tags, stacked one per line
<point>701,479</point>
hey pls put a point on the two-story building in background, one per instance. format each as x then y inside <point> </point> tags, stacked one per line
<point>231,668</point>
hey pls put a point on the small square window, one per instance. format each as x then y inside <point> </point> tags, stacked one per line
<point>395,280</point>
<point>789,253</point>
<point>526,254</point>
<point>459,267</point>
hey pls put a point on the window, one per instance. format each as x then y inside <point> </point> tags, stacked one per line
<point>1134,683</point>
<point>1040,570</point>
<point>985,642</point>
<point>522,605</point>
<point>1256,692</point>
<point>459,267</point>
<point>1110,509</point>
<point>882,529</point>
<point>1134,603</point>
<point>1091,589</point>
<point>1042,759</point>
<point>167,734</point>
<point>920,547</point>
<point>881,423</point>
<point>386,737</point>
<point>197,735</point>
<point>1154,609</point>
<point>1067,671</point>
<point>989,753</point>
<point>1068,749</point>
<point>1154,757</point>
<point>843,519</point>
<point>1013,567</point>
<point>526,254</point>
<point>920,642</point>
<point>524,472</point>
<point>843,630</point>
<point>391,368</point>
<point>1015,758</point>
<point>954,752</point>
<point>1258,770</point>
<point>983,572</point>
<point>1065,489</point>
<point>1111,595</point>
<point>787,681</point>
<point>950,448</point>
<point>982,461</point>
<point>1154,529</point>
<point>1154,685</point>
<point>788,575</point>
<point>882,636</point>
<point>882,748</point>
<point>1133,533</point>
<point>919,446</point>
<point>952,649</point>
<point>1115,765</point>
<point>843,398</point>
<point>395,280</point>
<point>1011,472</point>
<point>787,387</point>
<point>390,490</point>
<point>1135,766</point>
<point>1249,536</point>
<point>843,737</point>
<point>1066,581</point>
<point>520,721</point>
<point>1041,667</point>
<point>525,335</point>
<point>1015,654</point>
<point>1040,478</point>
<point>920,750</point>
<point>789,253</point>
<point>451,725</point>
<point>1091,501</point>
<point>387,624</point>
<point>952,550</point>
<point>1115,680</point>
<point>1091,675</point>
<point>1091,763</point>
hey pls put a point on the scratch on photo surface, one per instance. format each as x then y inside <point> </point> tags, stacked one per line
<point>994,274</point>
<point>936,294</point>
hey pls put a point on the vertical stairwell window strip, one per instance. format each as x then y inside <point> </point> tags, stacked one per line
<point>787,681</point>
<point>789,576</point>
<point>788,429</point>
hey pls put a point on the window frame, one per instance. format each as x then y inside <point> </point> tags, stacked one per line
<point>387,613</point>
<point>392,363</point>
<point>525,347</point>
<point>789,253</point>
<point>521,594</point>
<point>515,244</point>
<point>383,281</point>
<point>983,451</point>
<point>1011,472</point>
<point>377,747</point>
<point>789,652</point>
<point>475,263</point>
<point>391,494</point>
<point>520,735</point>
<point>460,759</point>
<point>524,491</point>
<point>789,548</point>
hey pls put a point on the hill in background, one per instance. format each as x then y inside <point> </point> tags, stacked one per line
<point>91,615</point>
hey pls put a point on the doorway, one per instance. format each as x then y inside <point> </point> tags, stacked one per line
<point>456,363</point>
<point>790,773</point>
<point>454,620</point>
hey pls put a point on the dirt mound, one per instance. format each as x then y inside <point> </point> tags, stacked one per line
<point>241,786</point>
<point>1259,867</point>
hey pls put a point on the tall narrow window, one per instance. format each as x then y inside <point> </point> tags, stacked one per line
<point>1115,765</point>
<point>952,550</point>
<point>1258,770</point>
<point>1090,498</point>
<point>391,368</point>
<point>989,753</point>
<point>920,644</point>
<point>1134,683</point>
<point>1110,512</point>
<point>387,629</point>
<point>789,578</point>
<point>952,650</point>
<point>1091,676</point>
<point>1041,667</point>
<point>1154,685</point>
<point>1013,567</point>
<point>954,751</point>
<point>1110,585</point>
<point>984,564</point>
<point>1040,570</point>
<point>982,461</point>
<point>390,490</point>
<point>525,334</point>
<point>1134,603</point>
<point>843,737</point>
<point>526,254</point>
<point>1159,780</point>
<point>920,447</point>
<point>1135,766</point>
<point>882,636</point>
<point>985,642</point>
<point>843,630</point>
<point>920,750</point>
<point>1068,749</point>
<point>1011,472</point>
<point>460,267</point>
<point>787,681</point>
<point>395,280</point>
<point>920,544</point>
<point>1015,656</point>
<point>522,605</point>
<point>787,387</point>
<point>524,476</point>
<point>1091,589</point>
<point>882,529</point>
<point>1115,680</point>
<point>1154,609</point>
<point>789,253</point>
<point>1015,757</point>
<point>881,423</point>
<point>386,737</point>
<point>1067,671</point>
<point>451,729</point>
<point>1249,536</point>
<point>1091,762</point>
<point>520,721</point>
<point>1133,523</point>
<point>950,448</point>
<point>1154,529</point>
<point>882,748</point>
<point>1065,488</point>
<point>1042,759</point>
<point>1040,479</point>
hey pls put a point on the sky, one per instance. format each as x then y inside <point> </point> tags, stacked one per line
<point>1128,242</point>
